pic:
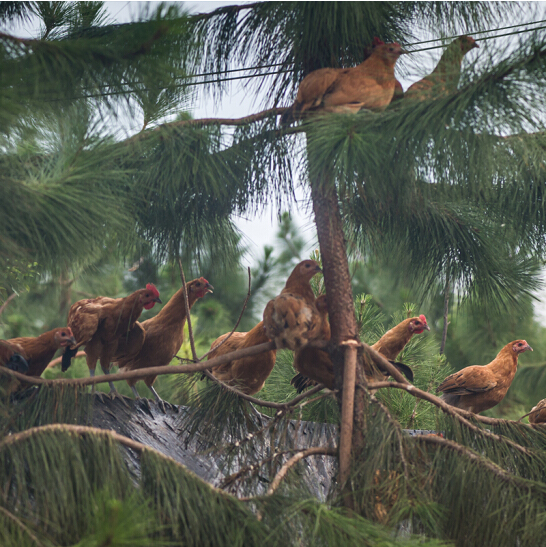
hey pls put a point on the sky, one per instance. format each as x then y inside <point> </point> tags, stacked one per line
<point>260,230</point>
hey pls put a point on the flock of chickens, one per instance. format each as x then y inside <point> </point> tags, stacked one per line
<point>109,331</point>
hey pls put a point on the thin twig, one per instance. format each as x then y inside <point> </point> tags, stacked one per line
<point>446,309</point>
<point>313,451</point>
<point>6,302</point>
<point>12,517</point>
<point>448,409</point>
<point>480,460</point>
<point>236,324</point>
<point>187,306</point>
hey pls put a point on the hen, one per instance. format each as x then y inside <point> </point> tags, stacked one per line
<point>538,413</point>
<point>250,373</point>
<point>292,319</point>
<point>12,358</point>
<point>98,324</point>
<point>155,342</point>
<point>445,77</point>
<point>478,388</point>
<point>317,363</point>
<point>369,85</point>
<point>38,351</point>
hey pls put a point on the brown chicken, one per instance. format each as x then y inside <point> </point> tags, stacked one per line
<point>369,85</point>
<point>98,324</point>
<point>317,362</point>
<point>292,319</point>
<point>250,373</point>
<point>155,342</point>
<point>11,356</point>
<point>478,388</point>
<point>444,79</point>
<point>538,413</point>
<point>38,351</point>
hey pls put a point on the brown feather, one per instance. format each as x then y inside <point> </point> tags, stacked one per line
<point>250,373</point>
<point>478,388</point>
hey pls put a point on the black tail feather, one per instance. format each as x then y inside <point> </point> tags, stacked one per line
<point>301,382</point>
<point>66,360</point>
<point>404,369</point>
<point>17,363</point>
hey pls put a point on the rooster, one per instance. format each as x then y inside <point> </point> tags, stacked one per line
<point>155,342</point>
<point>445,77</point>
<point>478,388</point>
<point>389,345</point>
<point>250,373</point>
<point>98,324</point>
<point>38,351</point>
<point>292,319</point>
<point>11,356</point>
<point>369,85</point>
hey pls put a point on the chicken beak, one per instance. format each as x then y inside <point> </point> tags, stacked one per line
<point>71,341</point>
<point>529,347</point>
<point>475,44</point>
<point>426,327</point>
<point>158,300</point>
<point>209,288</point>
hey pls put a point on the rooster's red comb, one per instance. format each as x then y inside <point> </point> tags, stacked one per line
<point>377,41</point>
<point>152,288</point>
<point>423,318</point>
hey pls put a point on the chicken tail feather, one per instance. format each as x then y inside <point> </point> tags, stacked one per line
<point>405,370</point>
<point>66,360</point>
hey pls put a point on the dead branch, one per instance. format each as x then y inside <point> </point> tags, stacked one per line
<point>347,409</point>
<point>187,306</point>
<point>238,320</point>
<point>384,364</point>
<point>313,451</point>
<point>6,302</point>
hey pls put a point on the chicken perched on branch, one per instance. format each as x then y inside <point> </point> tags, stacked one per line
<point>444,79</point>
<point>292,319</point>
<point>478,388</point>
<point>98,324</point>
<point>250,373</point>
<point>370,85</point>
<point>538,413</point>
<point>317,363</point>
<point>11,356</point>
<point>155,342</point>
<point>38,351</point>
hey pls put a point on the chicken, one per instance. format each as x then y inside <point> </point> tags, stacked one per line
<point>538,413</point>
<point>11,356</point>
<point>389,345</point>
<point>38,351</point>
<point>444,79</point>
<point>292,319</point>
<point>98,324</point>
<point>250,373</point>
<point>395,339</point>
<point>478,388</point>
<point>314,365</point>
<point>369,85</point>
<point>155,342</point>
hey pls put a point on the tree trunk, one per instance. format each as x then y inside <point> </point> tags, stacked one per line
<point>341,312</point>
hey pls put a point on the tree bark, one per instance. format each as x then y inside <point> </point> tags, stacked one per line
<point>337,281</point>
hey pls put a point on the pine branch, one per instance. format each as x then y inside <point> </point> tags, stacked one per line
<point>25,529</point>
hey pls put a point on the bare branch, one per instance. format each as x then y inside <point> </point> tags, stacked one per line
<point>313,451</point>
<point>347,409</point>
<point>385,364</point>
<point>446,309</point>
<point>238,320</point>
<point>6,302</point>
